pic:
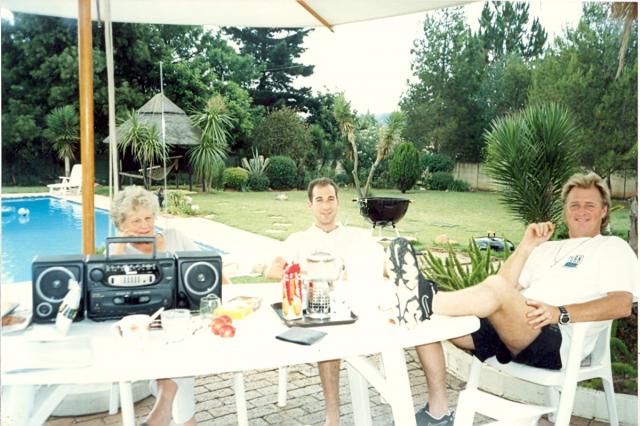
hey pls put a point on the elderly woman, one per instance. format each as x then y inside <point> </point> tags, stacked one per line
<point>134,211</point>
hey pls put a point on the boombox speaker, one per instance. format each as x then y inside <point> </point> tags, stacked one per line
<point>50,277</point>
<point>199,274</point>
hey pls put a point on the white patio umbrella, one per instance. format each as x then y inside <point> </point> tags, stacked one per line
<point>240,13</point>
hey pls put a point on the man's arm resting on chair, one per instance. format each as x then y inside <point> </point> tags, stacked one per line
<point>616,304</point>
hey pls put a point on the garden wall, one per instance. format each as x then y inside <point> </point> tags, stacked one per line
<point>622,186</point>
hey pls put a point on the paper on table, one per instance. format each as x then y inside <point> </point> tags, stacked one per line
<point>18,355</point>
<point>7,308</point>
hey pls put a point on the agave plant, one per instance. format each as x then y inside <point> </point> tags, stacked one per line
<point>143,141</point>
<point>256,165</point>
<point>207,157</point>
<point>64,128</point>
<point>531,154</point>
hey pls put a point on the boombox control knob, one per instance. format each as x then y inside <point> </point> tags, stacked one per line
<point>96,275</point>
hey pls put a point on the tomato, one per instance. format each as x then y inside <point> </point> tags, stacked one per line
<point>225,318</point>
<point>227,330</point>
<point>216,325</point>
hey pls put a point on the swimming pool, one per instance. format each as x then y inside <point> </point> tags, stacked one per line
<point>53,226</point>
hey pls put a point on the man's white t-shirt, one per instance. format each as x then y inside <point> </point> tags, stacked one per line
<point>579,270</point>
<point>354,247</point>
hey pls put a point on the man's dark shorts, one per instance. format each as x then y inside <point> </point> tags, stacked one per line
<point>543,352</point>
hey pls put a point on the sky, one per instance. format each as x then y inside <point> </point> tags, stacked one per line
<point>371,61</point>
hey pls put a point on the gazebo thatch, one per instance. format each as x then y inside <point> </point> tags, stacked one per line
<point>178,127</point>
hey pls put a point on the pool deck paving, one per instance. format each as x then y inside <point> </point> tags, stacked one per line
<point>215,404</point>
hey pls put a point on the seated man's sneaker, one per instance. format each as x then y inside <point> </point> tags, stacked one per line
<point>414,293</point>
<point>424,418</point>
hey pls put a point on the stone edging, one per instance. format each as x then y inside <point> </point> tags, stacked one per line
<point>589,403</point>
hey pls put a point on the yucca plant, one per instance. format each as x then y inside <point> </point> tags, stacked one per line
<point>63,127</point>
<point>531,154</point>
<point>389,137</point>
<point>144,143</point>
<point>451,275</point>
<point>347,121</point>
<point>207,157</point>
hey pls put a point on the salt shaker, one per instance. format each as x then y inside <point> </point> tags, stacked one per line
<point>68,308</point>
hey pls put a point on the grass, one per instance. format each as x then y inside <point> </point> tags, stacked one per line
<point>459,215</point>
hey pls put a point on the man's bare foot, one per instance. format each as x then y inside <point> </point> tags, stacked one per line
<point>332,422</point>
<point>160,414</point>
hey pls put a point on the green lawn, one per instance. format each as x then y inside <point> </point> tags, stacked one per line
<point>459,215</point>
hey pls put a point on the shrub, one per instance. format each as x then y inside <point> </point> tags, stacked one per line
<point>458,186</point>
<point>258,182</point>
<point>437,163</point>
<point>404,168</point>
<point>341,179</point>
<point>303,178</point>
<point>236,178</point>
<point>451,275</point>
<point>439,181</point>
<point>282,172</point>
<point>180,204</point>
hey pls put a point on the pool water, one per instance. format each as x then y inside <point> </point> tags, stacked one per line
<point>52,227</point>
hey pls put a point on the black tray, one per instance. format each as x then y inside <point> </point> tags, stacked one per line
<point>312,322</point>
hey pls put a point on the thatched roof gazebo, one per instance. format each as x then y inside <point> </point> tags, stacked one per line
<point>178,127</point>
<point>179,132</point>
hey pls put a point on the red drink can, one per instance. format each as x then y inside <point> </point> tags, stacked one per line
<point>291,292</point>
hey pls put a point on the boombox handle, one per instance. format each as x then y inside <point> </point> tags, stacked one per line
<point>120,240</point>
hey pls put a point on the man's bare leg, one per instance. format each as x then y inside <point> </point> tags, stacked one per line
<point>330,378</point>
<point>433,365</point>
<point>161,412</point>
<point>496,299</point>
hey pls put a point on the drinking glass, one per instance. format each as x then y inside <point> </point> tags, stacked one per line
<point>176,324</point>
<point>208,306</point>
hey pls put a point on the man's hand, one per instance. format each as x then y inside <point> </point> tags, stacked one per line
<point>537,233</point>
<point>541,314</point>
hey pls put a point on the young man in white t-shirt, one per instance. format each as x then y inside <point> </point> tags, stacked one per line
<point>545,285</point>
<point>364,260</point>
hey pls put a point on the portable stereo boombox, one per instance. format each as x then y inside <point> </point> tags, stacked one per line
<point>119,285</point>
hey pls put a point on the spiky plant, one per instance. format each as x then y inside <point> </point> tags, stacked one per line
<point>63,127</point>
<point>144,143</point>
<point>207,157</point>
<point>531,154</point>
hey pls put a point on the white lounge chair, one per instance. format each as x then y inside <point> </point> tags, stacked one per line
<point>70,184</point>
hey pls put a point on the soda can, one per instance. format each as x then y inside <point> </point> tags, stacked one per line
<point>292,293</point>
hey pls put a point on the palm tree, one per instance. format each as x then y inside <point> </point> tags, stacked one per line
<point>64,128</point>
<point>346,120</point>
<point>627,12</point>
<point>144,142</point>
<point>389,138</point>
<point>208,156</point>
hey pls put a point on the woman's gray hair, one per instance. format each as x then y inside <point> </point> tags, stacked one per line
<point>129,199</point>
<point>586,181</point>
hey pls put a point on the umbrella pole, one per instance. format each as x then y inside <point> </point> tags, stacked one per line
<point>86,125</point>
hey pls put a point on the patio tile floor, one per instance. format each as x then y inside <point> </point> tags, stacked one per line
<point>215,403</point>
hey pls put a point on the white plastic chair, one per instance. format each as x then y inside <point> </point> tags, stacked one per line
<point>71,183</point>
<point>561,384</point>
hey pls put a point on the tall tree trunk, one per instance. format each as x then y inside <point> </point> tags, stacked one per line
<point>67,167</point>
<point>633,230</point>
<point>370,177</point>
<point>352,140</point>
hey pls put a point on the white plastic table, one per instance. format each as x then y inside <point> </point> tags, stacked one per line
<point>253,347</point>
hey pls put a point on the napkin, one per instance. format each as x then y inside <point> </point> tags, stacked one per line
<point>301,336</point>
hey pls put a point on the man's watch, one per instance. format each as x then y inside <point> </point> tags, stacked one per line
<point>565,318</point>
